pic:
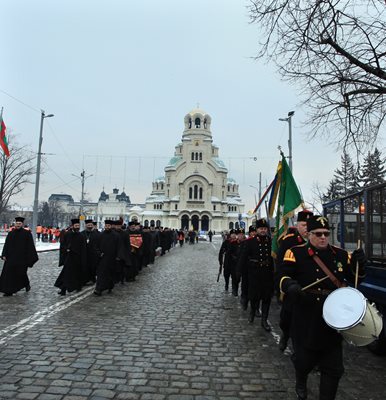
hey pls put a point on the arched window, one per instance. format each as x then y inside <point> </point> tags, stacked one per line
<point>146,223</point>
<point>190,193</point>
<point>196,156</point>
<point>158,223</point>
<point>152,222</point>
<point>200,156</point>
<point>176,206</point>
<point>200,195</point>
<point>162,186</point>
<point>195,191</point>
<point>229,188</point>
<point>237,225</point>
<point>192,156</point>
<point>197,122</point>
<point>155,206</point>
<point>160,206</point>
<point>205,123</point>
<point>230,225</point>
<point>190,123</point>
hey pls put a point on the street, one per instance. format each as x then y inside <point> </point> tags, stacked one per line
<point>173,334</point>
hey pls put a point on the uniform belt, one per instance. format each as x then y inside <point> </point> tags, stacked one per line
<point>262,263</point>
<point>323,292</point>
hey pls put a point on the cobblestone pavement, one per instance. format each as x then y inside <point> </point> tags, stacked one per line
<point>173,334</point>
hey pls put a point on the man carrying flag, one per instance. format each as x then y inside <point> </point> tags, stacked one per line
<point>3,137</point>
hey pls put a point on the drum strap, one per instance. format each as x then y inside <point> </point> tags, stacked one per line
<point>332,277</point>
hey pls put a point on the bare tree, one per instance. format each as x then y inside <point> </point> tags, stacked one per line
<point>15,171</point>
<point>335,50</point>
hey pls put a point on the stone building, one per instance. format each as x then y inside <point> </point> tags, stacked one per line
<point>195,191</point>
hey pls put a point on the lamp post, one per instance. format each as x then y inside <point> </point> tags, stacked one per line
<point>39,160</point>
<point>289,120</point>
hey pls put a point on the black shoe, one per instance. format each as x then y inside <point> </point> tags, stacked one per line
<point>7,294</point>
<point>301,386</point>
<point>283,342</point>
<point>251,316</point>
<point>258,313</point>
<point>265,325</point>
<point>244,303</point>
<point>97,292</point>
<point>234,292</point>
<point>62,292</point>
<point>109,291</point>
<point>28,288</point>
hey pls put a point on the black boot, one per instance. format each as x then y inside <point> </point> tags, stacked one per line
<point>28,288</point>
<point>62,292</point>
<point>328,387</point>
<point>244,303</point>
<point>252,315</point>
<point>283,341</point>
<point>301,386</point>
<point>265,324</point>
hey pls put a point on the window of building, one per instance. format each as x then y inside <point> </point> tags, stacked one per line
<point>200,193</point>
<point>197,122</point>
<point>162,186</point>
<point>175,206</point>
<point>192,156</point>
<point>158,223</point>
<point>200,155</point>
<point>195,191</point>
<point>155,206</point>
<point>214,207</point>
<point>190,193</point>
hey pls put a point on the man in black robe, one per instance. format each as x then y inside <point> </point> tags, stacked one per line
<point>109,246</point>
<point>19,254</point>
<point>73,257</point>
<point>91,236</point>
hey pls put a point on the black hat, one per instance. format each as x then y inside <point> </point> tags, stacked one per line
<point>317,222</point>
<point>261,223</point>
<point>304,215</point>
<point>232,231</point>
<point>19,219</point>
<point>131,223</point>
<point>89,221</point>
<point>95,223</point>
<point>108,222</point>
<point>75,221</point>
<point>252,228</point>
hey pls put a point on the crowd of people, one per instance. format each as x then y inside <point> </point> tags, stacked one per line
<point>307,268</point>
<point>305,271</point>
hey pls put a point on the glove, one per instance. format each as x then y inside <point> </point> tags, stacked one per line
<point>358,256</point>
<point>294,290</point>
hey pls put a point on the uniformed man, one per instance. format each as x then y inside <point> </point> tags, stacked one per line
<point>295,237</point>
<point>314,342</point>
<point>256,258</point>
<point>228,258</point>
<point>73,258</point>
<point>19,254</point>
<point>243,271</point>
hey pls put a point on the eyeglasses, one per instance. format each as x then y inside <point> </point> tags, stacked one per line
<point>320,234</point>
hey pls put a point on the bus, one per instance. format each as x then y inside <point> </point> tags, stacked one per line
<point>360,220</point>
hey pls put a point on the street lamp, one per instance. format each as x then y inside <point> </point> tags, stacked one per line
<point>39,159</point>
<point>289,120</point>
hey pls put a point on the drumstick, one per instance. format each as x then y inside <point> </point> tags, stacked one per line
<point>314,283</point>
<point>357,267</point>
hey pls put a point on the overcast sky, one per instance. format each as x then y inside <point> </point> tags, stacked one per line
<point>120,76</point>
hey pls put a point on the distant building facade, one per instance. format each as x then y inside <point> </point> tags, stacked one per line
<point>195,192</point>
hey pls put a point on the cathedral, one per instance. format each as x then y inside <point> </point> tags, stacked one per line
<point>195,191</point>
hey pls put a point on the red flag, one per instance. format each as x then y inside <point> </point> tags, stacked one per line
<point>3,138</point>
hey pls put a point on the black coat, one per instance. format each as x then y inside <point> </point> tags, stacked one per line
<point>93,253</point>
<point>73,257</point>
<point>109,247</point>
<point>256,260</point>
<point>20,254</point>
<point>308,327</point>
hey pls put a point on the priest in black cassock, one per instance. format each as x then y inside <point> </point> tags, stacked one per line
<point>109,246</point>
<point>73,257</point>
<point>19,254</point>
<point>91,236</point>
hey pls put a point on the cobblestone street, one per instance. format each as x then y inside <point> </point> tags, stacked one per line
<point>173,334</point>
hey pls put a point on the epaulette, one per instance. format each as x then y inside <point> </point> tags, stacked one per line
<point>289,256</point>
<point>288,235</point>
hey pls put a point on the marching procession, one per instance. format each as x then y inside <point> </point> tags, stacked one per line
<point>306,270</point>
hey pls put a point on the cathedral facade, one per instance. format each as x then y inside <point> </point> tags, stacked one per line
<point>195,191</point>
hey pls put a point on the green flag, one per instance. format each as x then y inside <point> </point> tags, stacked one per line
<point>289,200</point>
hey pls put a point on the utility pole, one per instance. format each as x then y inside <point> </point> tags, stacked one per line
<point>289,120</point>
<point>37,182</point>
<point>83,177</point>
<point>259,211</point>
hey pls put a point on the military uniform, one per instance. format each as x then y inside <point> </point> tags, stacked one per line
<point>314,342</point>
<point>257,260</point>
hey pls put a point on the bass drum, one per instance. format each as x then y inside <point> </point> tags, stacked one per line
<point>349,312</point>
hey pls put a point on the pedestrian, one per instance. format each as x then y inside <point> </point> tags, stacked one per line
<point>19,254</point>
<point>92,248</point>
<point>296,236</point>
<point>210,234</point>
<point>181,237</point>
<point>257,259</point>
<point>108,246</point>
<point>314,342</point>
<point>228,258</point>
<point>73,259</point>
